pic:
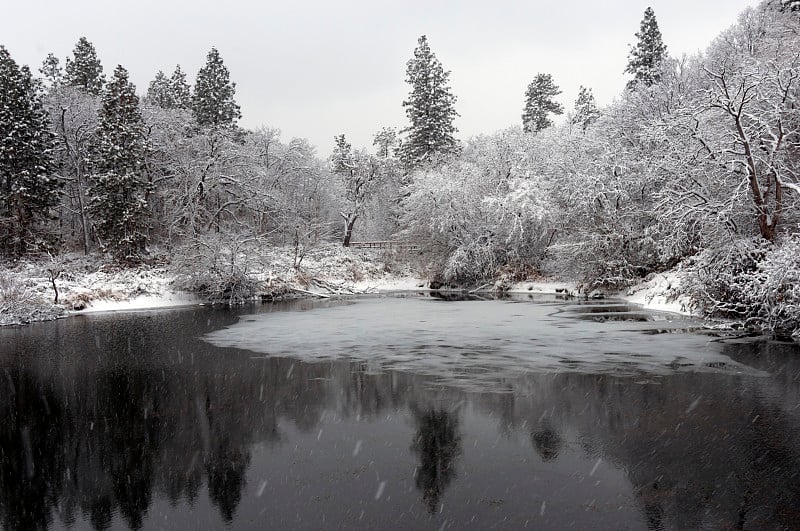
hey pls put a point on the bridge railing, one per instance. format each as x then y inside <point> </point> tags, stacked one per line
<point>387,244</point>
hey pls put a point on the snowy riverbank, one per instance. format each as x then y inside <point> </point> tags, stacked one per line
<point>88,284</point>
<point>91,284</point>
<point>660,292</point>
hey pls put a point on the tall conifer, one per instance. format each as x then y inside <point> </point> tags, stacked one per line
<point>84,70</point>
<point>430,108</point>
<point>28,186</point>
<point>51,70</point>
<point>539,103</point>
<point>170,92</point>
<point>213,104</point>
<point>118,182</point>
<point>645,60</point>
<point>585,108</point>
<point>158,92</point>
<point>179,88</point>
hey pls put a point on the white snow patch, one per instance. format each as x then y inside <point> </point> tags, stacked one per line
<point>390,283</point>
<point>143,302</point>
<point>661,293</point>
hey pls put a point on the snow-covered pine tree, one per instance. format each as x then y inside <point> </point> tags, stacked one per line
<point>386,142</point>
<point>28,186</point>
<point>51,70</point>
<point>85,70</point>
<point>179,88</point>
<point>585,109</point>
<point>342,162</point>
<point>158,92</point>
<point>213,104</point>
<point>646,59</point>
<point>118,184</point>
<point>430,108</point>
<point>539,104</point>
<point>170,92</point>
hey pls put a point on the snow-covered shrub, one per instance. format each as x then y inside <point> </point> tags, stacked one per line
<point>21,304</point>
<point>723,277</point>
<point>218,267</point>
<point>13,293</point>
<point>751,280</point>
<point>472,262</point>
<point>774,297</point>
<point>611,261</point>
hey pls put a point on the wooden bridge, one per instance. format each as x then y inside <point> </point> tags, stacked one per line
<point>388,245</point>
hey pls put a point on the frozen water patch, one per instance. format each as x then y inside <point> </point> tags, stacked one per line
<point>474,343</point>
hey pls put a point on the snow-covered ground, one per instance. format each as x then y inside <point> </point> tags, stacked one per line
<point>90,284</point>
<point>661,292</point>
<point>87,284</point>
<point>84,284</point>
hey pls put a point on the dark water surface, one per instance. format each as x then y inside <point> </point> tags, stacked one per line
<point>396,413</point>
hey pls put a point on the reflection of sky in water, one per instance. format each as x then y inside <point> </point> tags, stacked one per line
<point>472,343</point>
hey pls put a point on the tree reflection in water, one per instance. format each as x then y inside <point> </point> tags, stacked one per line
<point>99,433</point>
<point>547,442</point>
<point>437,444</point>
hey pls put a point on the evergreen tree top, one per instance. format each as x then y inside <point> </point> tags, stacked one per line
<point>430,108</point>
<point>158,91</point>
<point>119,139</point>
<point>85,70</point>
<point>179,89</point>
<point>51,70</point>
<point>342,156</point>
<point>645,60</point>
<point>120,95</point>
<point>539,103</point>
<point>386,142</point>
<point>585,108</point>
<point>170,92</point>
<point>213,101</point>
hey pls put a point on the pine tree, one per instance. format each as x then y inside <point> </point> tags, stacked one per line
<point>170,92</point>
<point>342,157</point>
<point>118,183</point>
<point>158,92</point>
<point>430,108</point>
<point>179,88</point>
<point>646,59</point>
<point>386,142</point>
<point>213,102</point>
<point>539,104</point>
<point>51,70</point>
<point>28,186</point>
<point>85,70</point>
<point>585,108</point>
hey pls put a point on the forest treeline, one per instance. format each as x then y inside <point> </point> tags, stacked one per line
<point>695,165</point>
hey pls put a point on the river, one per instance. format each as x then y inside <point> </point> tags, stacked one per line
<point>397,412</point>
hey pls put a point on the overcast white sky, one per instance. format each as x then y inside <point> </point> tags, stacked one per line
<point>318,68</point>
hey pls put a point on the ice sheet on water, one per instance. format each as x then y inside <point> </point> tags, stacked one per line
<point>474,343</point>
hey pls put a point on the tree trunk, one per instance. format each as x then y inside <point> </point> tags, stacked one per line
<point>768,218</point>
<point>83,216</point>
<point>349,221</point>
